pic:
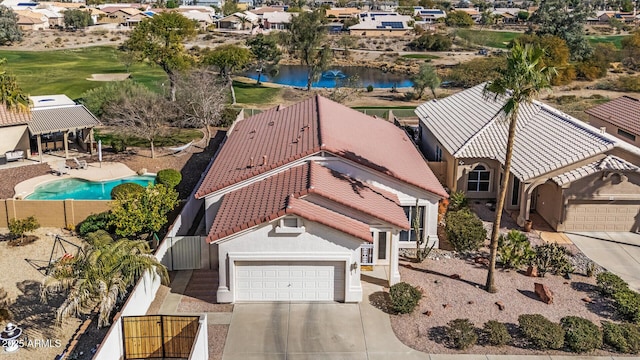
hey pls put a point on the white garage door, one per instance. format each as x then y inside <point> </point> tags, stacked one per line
<point>602,216</point>
<point>289,281</point>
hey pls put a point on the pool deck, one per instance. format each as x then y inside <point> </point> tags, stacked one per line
<point>94,172</point>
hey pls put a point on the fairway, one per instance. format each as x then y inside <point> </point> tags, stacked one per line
<point>501,39</point>
<point>66,71</point>
<point>613,39</point>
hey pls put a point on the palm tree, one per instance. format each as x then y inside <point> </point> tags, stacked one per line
<point>11,95</point>
<point>101,277</point>
<point>522,81</point>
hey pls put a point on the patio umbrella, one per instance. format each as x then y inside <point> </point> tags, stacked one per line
<point>100,152</point>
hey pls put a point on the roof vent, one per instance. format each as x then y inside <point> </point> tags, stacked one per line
<point>280,107</point>
<point>270,123</point>
<point>251,163</point>
<point>603,130</point>
<point>264,160</point>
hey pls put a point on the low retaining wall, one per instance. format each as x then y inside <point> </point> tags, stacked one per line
<point>51,213</point>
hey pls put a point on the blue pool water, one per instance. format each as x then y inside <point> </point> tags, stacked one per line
<point>296,75</point>
<point>78,189</point>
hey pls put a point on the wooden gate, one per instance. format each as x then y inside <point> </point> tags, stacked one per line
<point>158,336</point>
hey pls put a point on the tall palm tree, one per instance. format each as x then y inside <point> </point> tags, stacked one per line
<point>521,83</point>
<point>101,277</point>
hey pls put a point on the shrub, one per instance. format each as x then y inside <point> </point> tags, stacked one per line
<point>95,222</point>
<point>541,332</point>
<point>628,305</point>
<point>431,41</point>
<point>514,249</point>
<point>461,333</point>
<point>458,201</point>
<point>581,335</point>
<point>99,238</point>
<point>169,177</point>
<point>228,116</point>
<point>496,333</point>
<point>404,297</point>
<point>118,145</point>
<point>623,337</point>
<point>369,88</point>
<point>610,284</point>
<point>125,190</point>
<point>552,258</point>
<point>17,227</point>
<point>473,72</point>
<point>464,230</point>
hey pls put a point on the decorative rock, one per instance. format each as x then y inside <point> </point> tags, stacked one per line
<point>455,276</point>
<point>446,305</point>
<point>587,300</point>
<point>543,292</point>
<point>428,313</point>
<point>532,271</point>
<point>500,305</point>
<point>142,171</point>
<point>481,260</point>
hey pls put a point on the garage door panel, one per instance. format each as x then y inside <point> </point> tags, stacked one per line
<point>601,216</point>
<point>289,281</point>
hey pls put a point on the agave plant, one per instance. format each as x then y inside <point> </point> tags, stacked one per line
<point>100,277</point>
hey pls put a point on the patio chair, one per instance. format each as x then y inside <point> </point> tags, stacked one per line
<point>80,164</point>
<point>62,169</point>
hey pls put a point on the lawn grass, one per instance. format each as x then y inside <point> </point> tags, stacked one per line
<point>616,40</point>
<point>66,71</point>
<point>174,137</point>
<point>488,38</point>
<point>250,93</point>
<point>420,56</point>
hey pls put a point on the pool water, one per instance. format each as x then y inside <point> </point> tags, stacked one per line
<point>78,189</point>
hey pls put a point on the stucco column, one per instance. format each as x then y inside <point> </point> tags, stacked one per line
<point>39,140</point>
<point>65,138</point>
<point>394,273</point>
<point>525,203</point>
<point>223,294</point>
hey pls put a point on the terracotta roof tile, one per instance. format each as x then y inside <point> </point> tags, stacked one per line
<point>13,117</point>
<point>282,135</point>
<point>623,112</point>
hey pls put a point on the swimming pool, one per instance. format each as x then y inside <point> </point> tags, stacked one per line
<point>78,189</point>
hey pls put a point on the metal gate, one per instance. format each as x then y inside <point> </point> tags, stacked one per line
<point>158,336</point>
<point>186,252</point>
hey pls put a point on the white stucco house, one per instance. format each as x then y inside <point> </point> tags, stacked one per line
<point>299,197</point>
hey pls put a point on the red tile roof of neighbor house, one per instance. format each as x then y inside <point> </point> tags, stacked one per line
<point>623,112</point>
<point>284,134</point>
<point>13,117</point>
<point>284,193</point>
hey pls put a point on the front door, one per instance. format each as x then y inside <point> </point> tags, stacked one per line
<point>382,246</point>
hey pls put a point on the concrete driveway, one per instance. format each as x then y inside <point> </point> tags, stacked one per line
<point>314,331</point>
<point>618,252</point>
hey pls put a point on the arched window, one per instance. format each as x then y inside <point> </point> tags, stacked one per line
<point>479,179</point>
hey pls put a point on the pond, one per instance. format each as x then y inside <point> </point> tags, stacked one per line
<point>296,75</point>
<point>78,189</point>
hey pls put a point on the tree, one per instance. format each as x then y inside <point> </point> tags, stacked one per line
<point>265,51</point>
<point>230,7</point>
<point>631,51</point>
<point>229,59</point>
<point>556,55</point>
<point>200,100</point>
<point>11,94</point>
<point>459,18</point>
<point>97,99</point>
<point>9,29</point>
<point>553,17</point>
<point>307,41</point>
<point>346,42</point>
<point>100,277</point>
<point>77,19</point>
<point>144,212</point>
<point>426,78</point>
<point>159,40</point>
<point>141,113</point>
<point>519,84</point>
<point>523,15</point>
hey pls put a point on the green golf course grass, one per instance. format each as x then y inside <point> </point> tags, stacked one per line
<point>501,39</point>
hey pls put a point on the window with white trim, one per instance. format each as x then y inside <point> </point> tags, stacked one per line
<point>410,212</point>
<point>290,225</point>
<point>479,179</point>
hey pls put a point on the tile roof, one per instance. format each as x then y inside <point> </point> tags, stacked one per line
<point>608,163</point>
<point>48,120</point>
<point>13,117</point>
<point>623,112</point>
<point>282,135</point>
<point>271,198</point>
<point>546,139</point>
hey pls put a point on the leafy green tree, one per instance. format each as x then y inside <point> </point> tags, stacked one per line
<point>626,6</point>
<point>307,40</point>
<point>596,66</point>
<point>631,51</point>
<point>97,99</point>
<point>520,84</point>
<point>427,77</point>
<point>265,51</point>
<point>523,15</point>
<point>77,19</point>
<point>144,212</point>
<point>100,277</point>
<point>11,94</point>
<point>554,18</point>
<point>230,7</point>
<point>459,19</point>
<point>432,42</point>
<point>476,71</point>
<point>229,59</point>
<point>9,29</point>
<point>172,4</point>
<point>159,40</point>
<point>556,54</point>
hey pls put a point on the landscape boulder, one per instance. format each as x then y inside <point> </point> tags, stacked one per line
<point>543,292</point>
<point>532,271</point>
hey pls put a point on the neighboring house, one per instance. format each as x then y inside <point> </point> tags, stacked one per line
<point>601,17</point>
<point>429,16</point>
<point>55,19</point>
<point>619,117</point>
<point>239,21</point>
<point>299,197</point>
<point>382,25</point>
<point>342,13</point>
<point>474,13</point>
<point>52,123</point>
<point>276,20</point>
<point>204,19</point>
<point>267,9</point>
<point>31,20</point>
<point>119,15</point>
<point>574,176</point>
